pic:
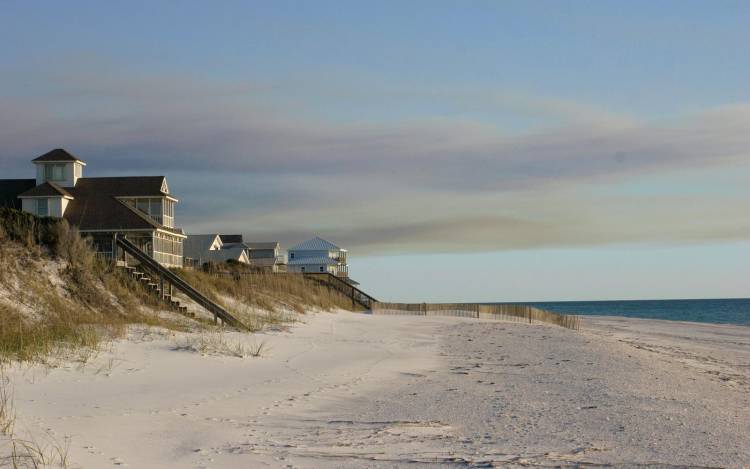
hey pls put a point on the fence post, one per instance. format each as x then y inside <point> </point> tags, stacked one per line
<point>114,250</point>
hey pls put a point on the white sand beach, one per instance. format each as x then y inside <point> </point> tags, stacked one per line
<point>356,390</point>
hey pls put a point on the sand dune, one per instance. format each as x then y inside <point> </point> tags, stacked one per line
<point>352,390</point>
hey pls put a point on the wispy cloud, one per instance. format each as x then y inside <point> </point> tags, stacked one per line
<point>429,183</point>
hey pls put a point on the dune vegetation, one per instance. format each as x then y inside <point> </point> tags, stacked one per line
<point>57,298</point>
<point>259,299</point>
<point>59,301</point>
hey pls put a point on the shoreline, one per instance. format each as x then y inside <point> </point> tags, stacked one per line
<point>382,391</point>
<point>602,317</point>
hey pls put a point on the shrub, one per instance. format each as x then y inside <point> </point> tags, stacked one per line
<point>28,229</point>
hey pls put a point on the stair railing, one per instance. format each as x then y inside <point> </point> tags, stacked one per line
<point>178,282</point>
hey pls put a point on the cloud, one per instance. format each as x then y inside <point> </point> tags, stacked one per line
<point>241,162</point>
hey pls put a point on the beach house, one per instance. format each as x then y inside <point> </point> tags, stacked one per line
<point>140,208</point>
<point>317,255</point>
<point>263,256</point>
<point>267,256</point>
<point>200,249</point>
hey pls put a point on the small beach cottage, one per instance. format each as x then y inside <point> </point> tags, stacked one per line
<point>263,256</point>
<point>196,248</point>
<point>138,207</point>
<point>318,255</point>
<point>267,256</point>
<point>202,248</point>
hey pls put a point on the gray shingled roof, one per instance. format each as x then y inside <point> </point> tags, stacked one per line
<point>196,246</point>
<point>315,244</point>
<point>124,186</point>
<point>58,154</point>
<point>223,255</point>
<point>95,205</point>
<point>48,189</point>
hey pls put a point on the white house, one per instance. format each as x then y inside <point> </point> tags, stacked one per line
<point>318,255</point>
<point>138,207</point>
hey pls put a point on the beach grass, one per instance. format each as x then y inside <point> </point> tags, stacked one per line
<point>57,298</point>
<point>273,293</point>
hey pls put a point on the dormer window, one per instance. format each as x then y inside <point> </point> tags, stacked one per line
<point>54,172</point>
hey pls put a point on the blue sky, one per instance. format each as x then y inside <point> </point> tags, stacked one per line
<point>556,150</point>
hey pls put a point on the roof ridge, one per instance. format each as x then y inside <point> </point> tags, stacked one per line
<point>42,190</point>
<point>59,188</point>
<point>315,244</point>
<point>123,177</point>
<point>58,154</point>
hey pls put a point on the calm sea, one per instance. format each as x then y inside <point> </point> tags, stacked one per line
<point>719,311</point>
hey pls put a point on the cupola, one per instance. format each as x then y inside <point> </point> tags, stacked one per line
<point>58,167</point>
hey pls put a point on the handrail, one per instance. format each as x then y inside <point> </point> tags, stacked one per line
<point>344,287</point>
<point>178,282</point>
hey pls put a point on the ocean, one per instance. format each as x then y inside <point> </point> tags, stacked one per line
<point>717,311</point>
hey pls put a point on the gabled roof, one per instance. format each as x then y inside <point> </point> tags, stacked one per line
<point>48,189</point>
<point>100,213</point>
<point>196,246</point>
<point>124,186</point>
<point>58,154</point>
<point>95,204</point>
<point>11,188</point>
<point>222,255</point>
<point>315,244</point>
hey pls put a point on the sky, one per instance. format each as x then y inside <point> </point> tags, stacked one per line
<point>460,150</point>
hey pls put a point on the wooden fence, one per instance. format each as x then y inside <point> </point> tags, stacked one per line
<point>513,312</point>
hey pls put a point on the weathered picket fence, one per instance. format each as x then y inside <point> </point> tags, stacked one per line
<point>513,312</point>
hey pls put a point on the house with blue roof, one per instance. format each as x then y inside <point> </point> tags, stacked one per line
<point>317,255</point>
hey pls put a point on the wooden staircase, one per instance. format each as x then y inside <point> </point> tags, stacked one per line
<point>156,289</point>
<point>167,277</point>
<point>357,296</point>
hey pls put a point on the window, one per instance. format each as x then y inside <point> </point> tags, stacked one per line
<point>322,269</point>
<point>42,207</point>
<point>291,255</point>
<point>142,205</point>
<point>160,209</point>
<point>303,269</point>
<point>54,172</point>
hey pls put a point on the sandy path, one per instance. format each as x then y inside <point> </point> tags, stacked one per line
<point>362,391</point>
